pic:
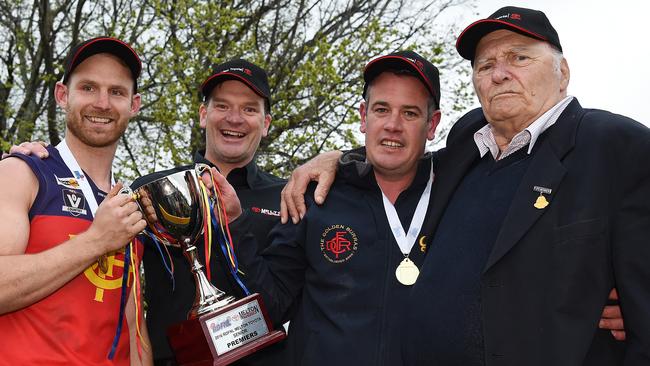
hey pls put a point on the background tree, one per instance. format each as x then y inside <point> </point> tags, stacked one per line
<point>314,52</point>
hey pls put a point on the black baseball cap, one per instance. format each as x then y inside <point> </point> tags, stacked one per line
<point>529,22</point>
<point>241,70</point>
<point>425,71</point>
<point>110,45</point>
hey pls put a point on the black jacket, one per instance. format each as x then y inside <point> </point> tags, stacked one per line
<point>339,265</point>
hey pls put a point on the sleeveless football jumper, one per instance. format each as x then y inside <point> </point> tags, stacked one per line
<point>74,325</point>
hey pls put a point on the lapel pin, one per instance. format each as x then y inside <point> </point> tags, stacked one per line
<point>541,201</point>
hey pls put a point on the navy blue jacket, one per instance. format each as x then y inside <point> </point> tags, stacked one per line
<point>550,270</point>
<point>339,265</point>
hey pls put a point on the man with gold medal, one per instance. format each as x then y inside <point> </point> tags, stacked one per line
<point>350,262</point>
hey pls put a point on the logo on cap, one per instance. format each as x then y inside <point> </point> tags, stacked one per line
<point>528,22</point>
<point>417,63</point>
<point>513,16</point>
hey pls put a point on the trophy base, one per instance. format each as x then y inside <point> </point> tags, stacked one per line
<point>224,335</point>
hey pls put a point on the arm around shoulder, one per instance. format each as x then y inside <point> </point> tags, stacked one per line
<point>321,169</point>
<point>469,123</point>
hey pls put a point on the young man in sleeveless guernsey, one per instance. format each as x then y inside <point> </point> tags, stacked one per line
<point>64,227</point>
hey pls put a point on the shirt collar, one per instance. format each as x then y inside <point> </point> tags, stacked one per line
<point>485,141</point>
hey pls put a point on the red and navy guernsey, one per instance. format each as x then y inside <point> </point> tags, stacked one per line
<point>74,325</point>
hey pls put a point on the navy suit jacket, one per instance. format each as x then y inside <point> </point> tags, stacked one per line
<point>547,278</point>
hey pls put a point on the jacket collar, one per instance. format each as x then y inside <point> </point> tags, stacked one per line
<point>546,169</point>
<point>248,175</point>
<point>357,171</point>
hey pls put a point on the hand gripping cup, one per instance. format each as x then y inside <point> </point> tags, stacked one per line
<point>219,329</point>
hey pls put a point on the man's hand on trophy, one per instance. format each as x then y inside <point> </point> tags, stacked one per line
<point>29,148</point>
<point>147,206</point>
<point>229,197</point>
<point>117,221</point>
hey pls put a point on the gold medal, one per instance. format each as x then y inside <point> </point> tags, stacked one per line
<point>407,272</point>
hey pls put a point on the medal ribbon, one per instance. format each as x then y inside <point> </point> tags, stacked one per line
<point>405,241</point>
<point>79,175</point>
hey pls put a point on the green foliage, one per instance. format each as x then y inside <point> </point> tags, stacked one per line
<point>313,50</point>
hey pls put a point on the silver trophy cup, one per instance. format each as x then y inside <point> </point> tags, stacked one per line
<point>219,329</point>
<point>173,207</point>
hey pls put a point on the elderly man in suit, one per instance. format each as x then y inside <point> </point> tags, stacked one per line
<point>540,208</point>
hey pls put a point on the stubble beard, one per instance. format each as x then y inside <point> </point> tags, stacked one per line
<point>76,126</point>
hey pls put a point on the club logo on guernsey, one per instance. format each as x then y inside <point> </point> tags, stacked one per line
<point>112,279</point>
<point>338,243</point>
<point>109,280</point>
<point>73,202</point>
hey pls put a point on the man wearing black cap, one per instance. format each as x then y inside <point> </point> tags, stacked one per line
<point>62,248</point>
<point>540,210</point>
<point>235,115</point>
<point>348,271</point>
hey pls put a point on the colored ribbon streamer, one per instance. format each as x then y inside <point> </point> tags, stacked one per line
<point>137,296</point>
<point>130,258</point>
<point>207,229</point>
<point>225,239</point>
<point>123,297</point>
<point>169,268</point>
<point>220,221</point>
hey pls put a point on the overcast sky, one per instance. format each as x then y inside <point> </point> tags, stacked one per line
<point>606,44</point>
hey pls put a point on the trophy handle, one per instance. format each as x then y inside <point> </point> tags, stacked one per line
<point>134,195</point>
<point>200,168</point>
<point>130,192</point>
<point>125,190</point>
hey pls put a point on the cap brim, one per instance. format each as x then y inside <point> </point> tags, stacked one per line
<point>381,64</point>
<point>470,37</point>
<point>212,81</point>
<point>112,46</point>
